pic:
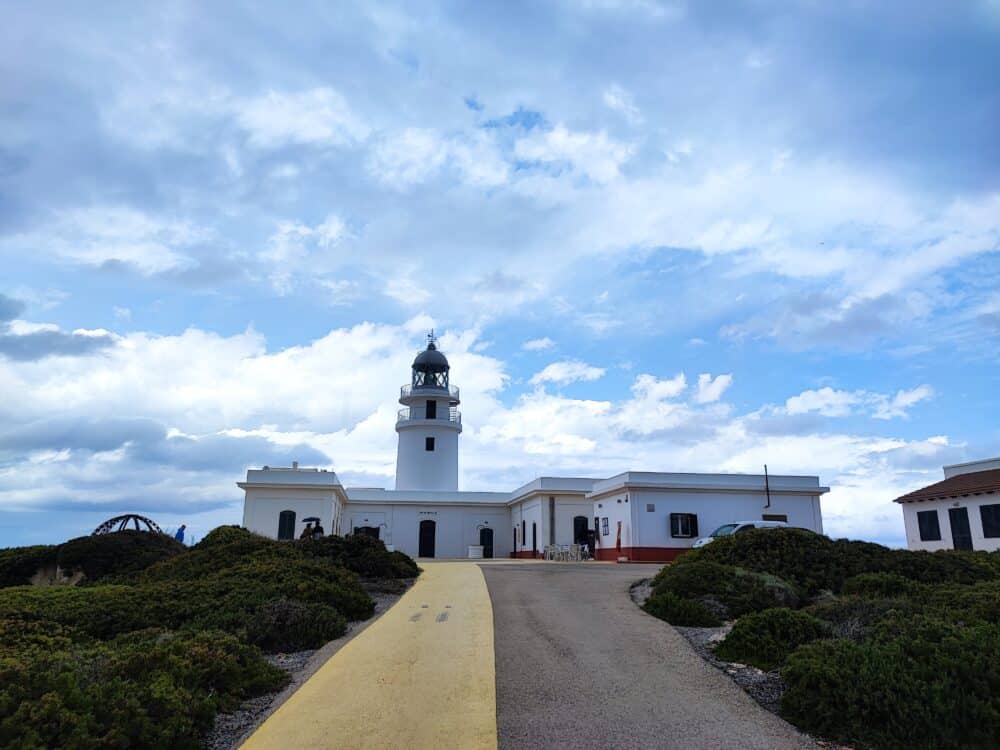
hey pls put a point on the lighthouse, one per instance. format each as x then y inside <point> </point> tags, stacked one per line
<point>428,426</point>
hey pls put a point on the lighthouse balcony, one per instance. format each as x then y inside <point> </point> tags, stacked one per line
<point>417,414</point>
<point>429,389</point>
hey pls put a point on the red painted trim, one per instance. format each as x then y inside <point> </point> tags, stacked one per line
<point>641,554</point>
<point>526,554</point>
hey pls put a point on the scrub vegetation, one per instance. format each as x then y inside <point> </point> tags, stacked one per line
<point>877,648</point>
<point>158,638</point>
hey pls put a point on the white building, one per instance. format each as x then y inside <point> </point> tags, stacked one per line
<point>960,512</point>
<point>648,516</point>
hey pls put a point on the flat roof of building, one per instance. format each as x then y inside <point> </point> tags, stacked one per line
<point>290,476</point>
<point>778,483</point>
<point>554,484</point>
<point>426,497</point>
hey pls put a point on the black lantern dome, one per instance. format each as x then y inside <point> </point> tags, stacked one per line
<point>430,368</point>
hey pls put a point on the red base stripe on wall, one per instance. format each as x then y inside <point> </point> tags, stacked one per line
<point>642,554</point>
<point>526,554</point>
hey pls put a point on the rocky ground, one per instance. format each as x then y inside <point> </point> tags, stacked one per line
<point>231,729</point>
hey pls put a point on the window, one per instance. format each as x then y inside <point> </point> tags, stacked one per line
<point>683,525</point>
<point>429,444</point>
<point>650,507</point>
<point>774,517</point>
<point>286,524</point>
<point>930,529</point>
<point>604,527</point>
<point>990,514</point>
<point>524,530</point>
<point>432,410</point>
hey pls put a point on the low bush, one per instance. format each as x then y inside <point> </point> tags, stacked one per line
<point>162,637</point>
<point>814,563</point>
<point>765,639</point>
<point>148,689</point>
<point>19,564</point>
<point>116,554</point>
<point>679,611</point>
<point>879,586</point>
<point>919,683</point>
<point>361,554</point>
<point>855,617</point>
<point>289,625</point>
<point>731,591</point>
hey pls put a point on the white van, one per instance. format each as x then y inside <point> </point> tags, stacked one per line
<point>736,527</point>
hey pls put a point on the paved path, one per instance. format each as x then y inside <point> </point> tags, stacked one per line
<point>421,676</point>
<point>578,666</point>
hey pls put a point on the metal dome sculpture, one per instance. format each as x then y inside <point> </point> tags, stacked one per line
<point>120,523</point>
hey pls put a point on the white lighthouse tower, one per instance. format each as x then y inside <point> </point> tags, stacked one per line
<point>429,426</point>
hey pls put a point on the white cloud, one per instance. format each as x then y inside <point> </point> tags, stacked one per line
<point>898,405</point>
<point>115,234</point>
<point>408,157</point>
<point>825,401</point>
<point>405,290</point>
<point>567,371</point>
<point>595,155</point>
<point>621,101</point>
<point>340,291</point>
<point>711,389</point>
<point>538,345</point>
<point>319,116</point>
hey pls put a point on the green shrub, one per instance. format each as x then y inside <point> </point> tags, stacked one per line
<point>731,590</point>
<point>361,554</point>
<point>920,684</point>
<point>116,554</point>
<point>289,625</point>
<point>19,564</point>
<point>149,689</point>
<point>879,586</point>
<point>678,611</point>
<point>855,617</point>
<point>813,563</point>
<point>765,639</point>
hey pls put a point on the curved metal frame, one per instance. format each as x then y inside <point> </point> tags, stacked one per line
<point>122,522</point>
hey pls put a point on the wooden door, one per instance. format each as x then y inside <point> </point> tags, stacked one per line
<point>486,540</point>
<point>961,534</point>
<point>427,532</point>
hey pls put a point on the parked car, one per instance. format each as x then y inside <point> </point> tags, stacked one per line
<point>736,527</point>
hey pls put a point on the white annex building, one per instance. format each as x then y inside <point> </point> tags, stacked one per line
<point>961,512</point>
<point>642,516</point>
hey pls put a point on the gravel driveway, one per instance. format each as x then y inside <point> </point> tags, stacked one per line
<point>579,665</point>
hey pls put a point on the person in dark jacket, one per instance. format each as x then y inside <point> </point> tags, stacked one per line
<point>318,532</point>
<point>179,536</point>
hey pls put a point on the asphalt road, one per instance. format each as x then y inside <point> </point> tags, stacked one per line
<point>579,665</point>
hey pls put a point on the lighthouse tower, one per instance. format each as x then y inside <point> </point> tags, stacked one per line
<point>429,426</point>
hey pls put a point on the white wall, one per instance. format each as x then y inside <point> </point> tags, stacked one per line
<point>420,469</point>
<point>456,527</point>
<point>614,508</point>
<point>979,542</point>
<point>262,507</point>
<point>532,510</point>
<point>714,509</point>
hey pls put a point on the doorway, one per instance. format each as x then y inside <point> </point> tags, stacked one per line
<point>286,524</point>
<point>427,532</point>
<point>534,539</point>
<point>486,541</point>
<point>580,530</point>
<point>961,534</point>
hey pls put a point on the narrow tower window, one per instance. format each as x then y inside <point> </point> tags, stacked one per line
<point>429,444</point>
<point>432,410</point>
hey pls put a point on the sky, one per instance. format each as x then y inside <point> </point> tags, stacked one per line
<point>650,235</point>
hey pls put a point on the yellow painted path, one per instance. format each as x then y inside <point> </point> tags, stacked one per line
<point>421,676</point>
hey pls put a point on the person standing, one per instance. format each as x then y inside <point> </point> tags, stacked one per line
<point>307,532</point>
<point>318,531</point>
<point>179,536</point>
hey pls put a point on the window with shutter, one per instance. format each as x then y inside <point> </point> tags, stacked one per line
<point>930,529</point>
<point>990,515</point>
